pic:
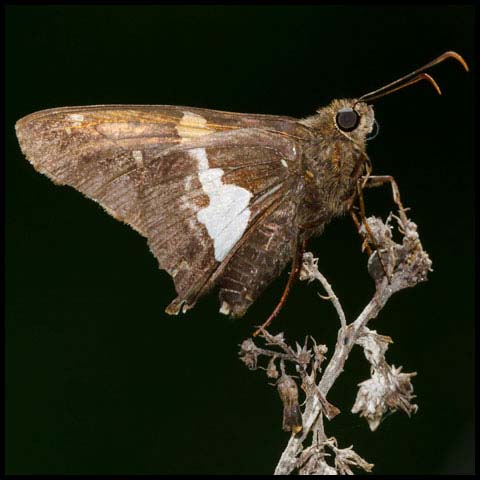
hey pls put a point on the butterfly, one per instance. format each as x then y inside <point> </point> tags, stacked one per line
<point>224,199</point>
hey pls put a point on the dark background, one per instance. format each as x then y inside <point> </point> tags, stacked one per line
<point>98,378</point>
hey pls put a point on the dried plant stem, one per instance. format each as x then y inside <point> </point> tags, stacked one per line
<point>314,274</point>
<point>347,337</point>
<point>407,265</point>
<point>400,266</point>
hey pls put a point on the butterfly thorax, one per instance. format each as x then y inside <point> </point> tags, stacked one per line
<point>333,161</point>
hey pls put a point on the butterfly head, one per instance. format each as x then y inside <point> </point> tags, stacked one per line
<point>345,119</point>
<point>355,120</point>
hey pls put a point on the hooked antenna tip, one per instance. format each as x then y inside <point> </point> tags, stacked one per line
<point>457,57</point>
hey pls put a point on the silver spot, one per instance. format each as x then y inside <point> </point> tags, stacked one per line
<point>76,117</point>
<point>225,309</point>
<point>227,215</point>
<point>191,126</point>
<point>138,157</point>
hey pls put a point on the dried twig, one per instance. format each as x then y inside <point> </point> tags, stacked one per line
<point>401,266</point>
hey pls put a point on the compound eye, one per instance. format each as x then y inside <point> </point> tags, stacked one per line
<point>347,119</point>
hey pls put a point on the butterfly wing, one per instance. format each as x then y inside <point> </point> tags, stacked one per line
<point>205,202</point>
<point>198,184</point>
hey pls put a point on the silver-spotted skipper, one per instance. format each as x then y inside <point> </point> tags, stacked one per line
<point>224,199</point>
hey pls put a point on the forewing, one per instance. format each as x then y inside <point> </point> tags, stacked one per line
<point>101,150</point>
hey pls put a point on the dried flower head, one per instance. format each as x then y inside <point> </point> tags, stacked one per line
<point>249,353</point>
<point>387,389</point>
<point>288,391</point>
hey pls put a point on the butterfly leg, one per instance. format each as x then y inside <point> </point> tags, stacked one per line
<point>358,194</point>
<point>361,184</point>
<point>379,180</point>
<point>371,181</point>
<point>299,248</point>
<point>358,224</point>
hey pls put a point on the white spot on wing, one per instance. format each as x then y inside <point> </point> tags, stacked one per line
<point>226,217</point>
<point>138,157</point>
<point>225,308</point>
<point>76,119</point>
<point>284,163</point>
<point>191,126</point>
